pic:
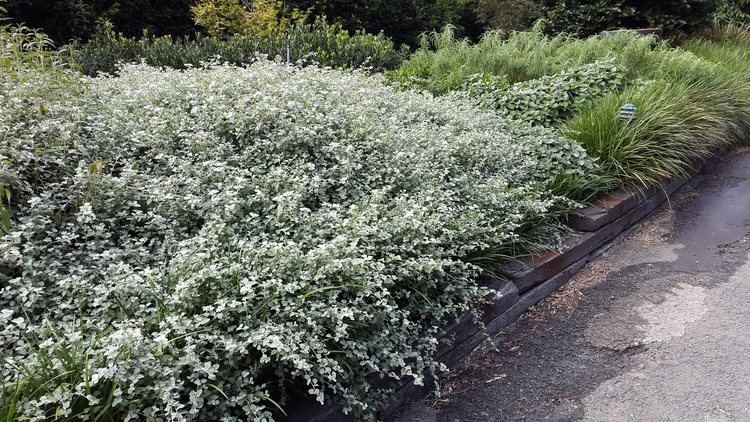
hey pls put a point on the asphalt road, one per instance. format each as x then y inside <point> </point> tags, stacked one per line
<point>655,329</point>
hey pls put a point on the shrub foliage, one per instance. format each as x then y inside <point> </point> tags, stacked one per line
<point>548,100</point>
<point>206,243</point>
<point>319,42</point>
<point>587,17</point>
<point>221,18</point>
<point>212,242</point>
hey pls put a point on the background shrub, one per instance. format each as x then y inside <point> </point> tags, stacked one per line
<point>319,42</point>
<point>508,15</point>
<point>586,18</point>
<point>222,18</point>
<point>589,17</point>
<point>401,20</point>
<point>65,20</point>
<point>733,11</point>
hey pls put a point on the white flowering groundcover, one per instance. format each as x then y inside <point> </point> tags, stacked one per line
<point>203,244</point>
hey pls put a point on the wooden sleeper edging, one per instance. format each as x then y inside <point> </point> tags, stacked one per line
<point>528,272</point>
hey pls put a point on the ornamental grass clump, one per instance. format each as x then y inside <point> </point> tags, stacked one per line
<point>687,109</point>
<point>445,63</point>
<point>726,45</point>
<point>204,244</point>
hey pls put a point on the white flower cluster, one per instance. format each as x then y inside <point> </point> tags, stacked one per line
<point>205,244</point>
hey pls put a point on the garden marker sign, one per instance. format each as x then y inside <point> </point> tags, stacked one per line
<point>627,112</point>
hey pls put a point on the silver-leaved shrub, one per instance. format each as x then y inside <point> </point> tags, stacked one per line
<point>204,244</point>
<point>548,100</point>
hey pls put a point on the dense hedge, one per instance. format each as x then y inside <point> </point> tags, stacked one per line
<point>65,20</point>
<point>591,17</point>
<point>585,17</point>
<point>401,20</point>
<point>319,42</point>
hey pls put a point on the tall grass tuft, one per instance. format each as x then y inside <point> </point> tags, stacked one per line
<point>62,369</point>
<point>691,101</point>
<point>728,33</point>
<point>445,63</point>
<point>678,125</point>
<point>727,45</point>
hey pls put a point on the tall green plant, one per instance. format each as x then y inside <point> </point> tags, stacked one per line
<point>682,119</point>
<point>585,17</point>
<point>23,46</point>
<point>446,63</point>
<point>733,12</point>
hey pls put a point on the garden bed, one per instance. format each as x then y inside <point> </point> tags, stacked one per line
<point>234,242</point>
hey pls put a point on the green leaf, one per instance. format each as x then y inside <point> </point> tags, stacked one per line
<point>5,220</point>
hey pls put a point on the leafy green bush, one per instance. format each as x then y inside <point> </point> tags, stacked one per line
<point>508,15</point>
<point>25,47</point>
<point>221,18</point>
<point>203,244</point>
<point>591,17</point>
<point>401,20</point>
<point>319,42</point>
<point>587,17</point>
<point>733,12</point>
<point>550,99</point>
<point>65,20</point>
